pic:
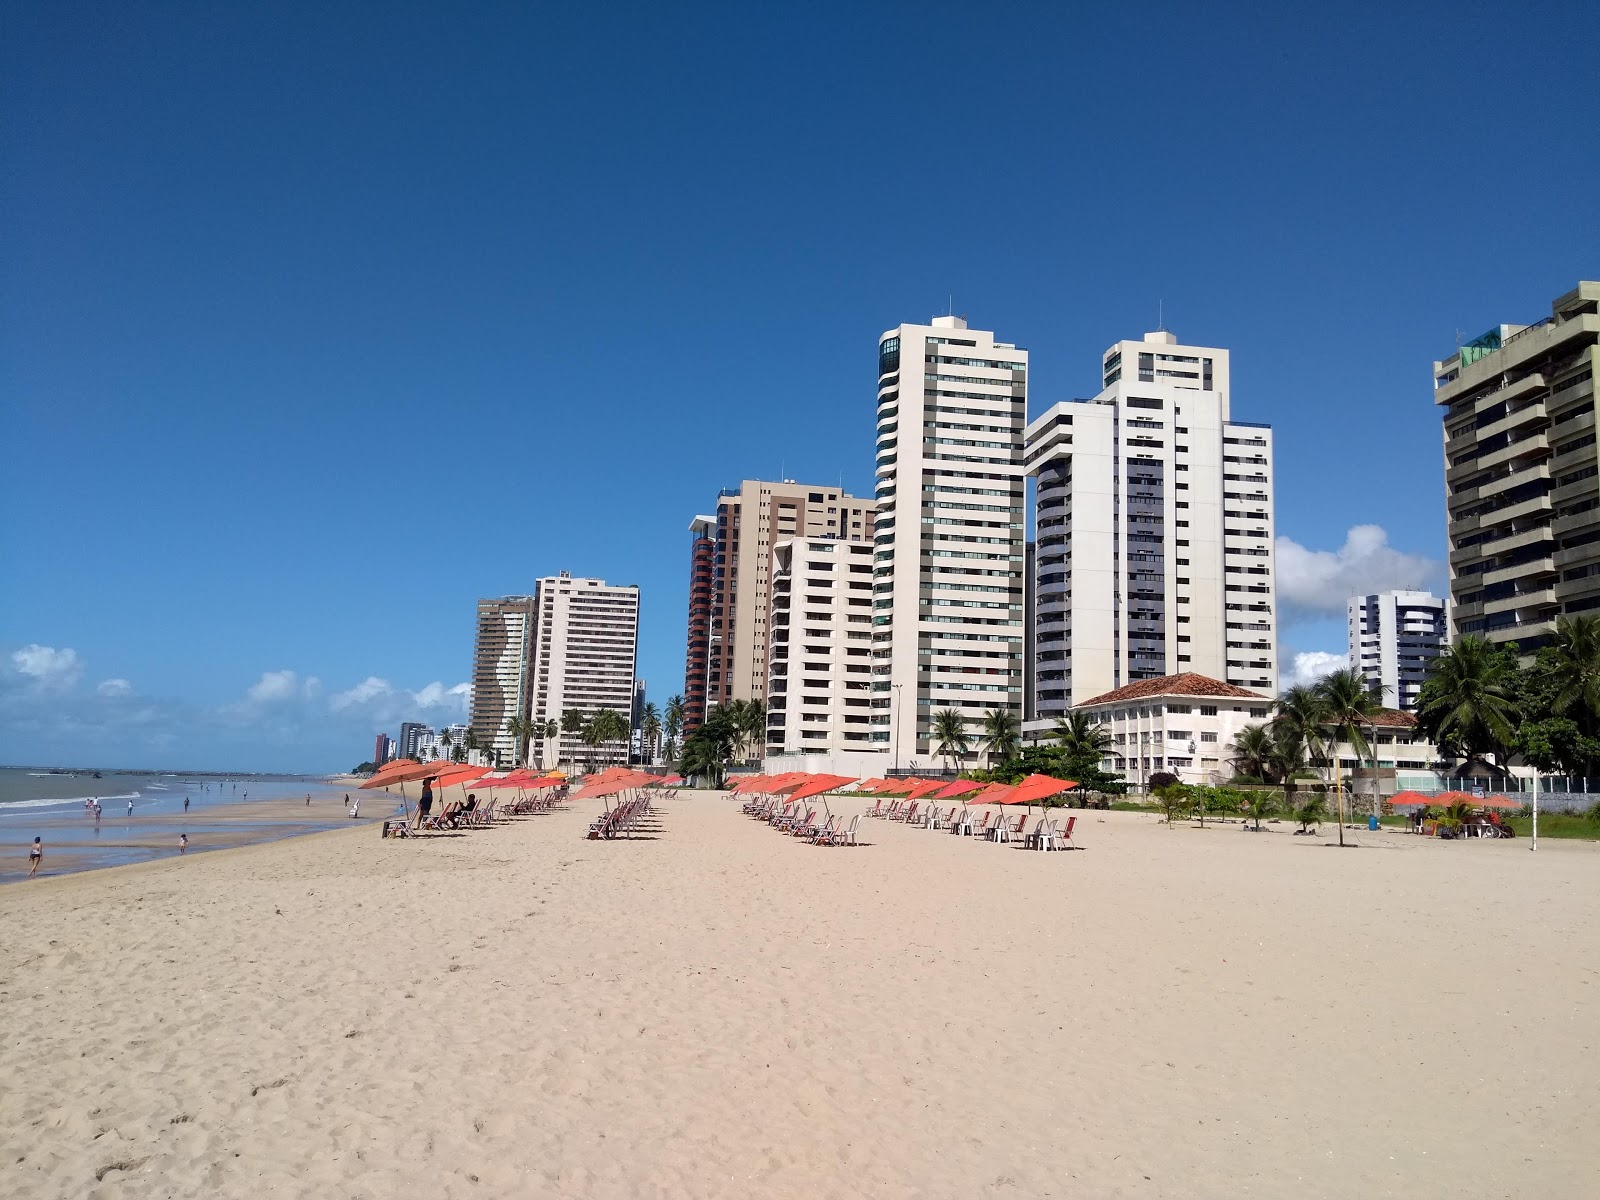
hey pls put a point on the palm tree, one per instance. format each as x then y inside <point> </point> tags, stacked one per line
<point>572,723</point>
<point>1576,651</point>
<point>1346,706</point>
<point>606,727</point>
<point>520,729</point>
<point>1002,734</point>
<point>548,731</point>
<point>1081,736</point>
<point>1286,758</point>
<point>1252,750</point>
<point>673,724</point>
<point>950,736</point>
<point>1312,813</point>
<point>1175,801</point>
<point>1259,806</point>
<point>1467,699</point>
<point>650,730</point>
<point>1300,714</point>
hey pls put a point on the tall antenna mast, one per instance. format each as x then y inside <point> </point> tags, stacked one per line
<point>1161,315</point>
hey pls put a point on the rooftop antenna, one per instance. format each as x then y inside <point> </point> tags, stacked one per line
<point>1161,315</point>
<point>950,304</point>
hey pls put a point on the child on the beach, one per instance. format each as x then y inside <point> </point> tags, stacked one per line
<point>183,842</point>
<point>35,857</point>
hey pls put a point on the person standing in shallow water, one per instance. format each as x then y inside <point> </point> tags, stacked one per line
<point>183,842</point>
<point>186,804</point>
<point>35,857</point>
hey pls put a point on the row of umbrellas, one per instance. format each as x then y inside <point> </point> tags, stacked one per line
<point>797,785</point>
<point>615,780</point>
<point>1445,799</point>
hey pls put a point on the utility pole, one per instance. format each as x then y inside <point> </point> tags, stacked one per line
<point>895,717</point>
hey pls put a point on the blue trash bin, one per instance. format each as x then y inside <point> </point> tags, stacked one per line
<point>1372,822</point>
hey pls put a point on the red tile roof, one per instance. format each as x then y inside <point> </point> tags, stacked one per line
<point>1186,684</point>
<point>1393,718</point>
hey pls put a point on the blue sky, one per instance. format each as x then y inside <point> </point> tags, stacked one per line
<point>316,326</point>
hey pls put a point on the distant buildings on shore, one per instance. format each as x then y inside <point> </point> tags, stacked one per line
<point>1154,554</point>
<point>570,646</point>
<point>1394,638</point>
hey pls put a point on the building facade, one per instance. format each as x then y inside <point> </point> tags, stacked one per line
<point>502,672</point>
<point>730,588</point>
<point>1154,530</point>
<point>1187,725</point>
<point>948,548</point>
<point>382,750</point>
<point>1394,637</point>
<point>587,641</point>
<point>1522,476</point>
<point>819,685</point>
<point>411,732</point>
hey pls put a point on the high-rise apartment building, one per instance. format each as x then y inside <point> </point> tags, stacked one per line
<point>587,635</point>
<point>949,559</point>
<point>1522,477</point>
<point>819,671</point>
<point>381,750</point>
<point>1394,636</point>
<point>502,672</point>
<point>411,734</point>
<point>730,581</point>
<point>1154,530</point>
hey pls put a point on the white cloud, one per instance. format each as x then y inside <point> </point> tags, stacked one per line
<point>47,665</point>
<point>370,688</point>
<point>1322,581</point>
<point>277,686</point>
<point>1310,666</point>
<point>436,695</point>
<point>114,687</point>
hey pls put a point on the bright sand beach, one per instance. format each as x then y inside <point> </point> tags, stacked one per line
<point>719,1011</point>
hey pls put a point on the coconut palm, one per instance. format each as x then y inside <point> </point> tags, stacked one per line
<point>1175,801</point>
<point>1347,705</point>
<point>950,736</point>
<point>572,723</point>
<point>606,728</point>
<point>1286,759</point>
<point>1080,735</point>
<point>748,719</point>
<point>1300,711</point>
<point>1259,806</point>
<point>1002,734</point>
<point>673,724</point>
<point>650,730</point>
<point>1252,751</point>
<point>1576,651</point>
<point>520,729</point>
<point>1312,813</point>
<point>1468,698</point>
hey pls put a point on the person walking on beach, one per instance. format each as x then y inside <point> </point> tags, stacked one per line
<point>183,842</point>
<point>130,808</point>
<point>186,804</point>
<point>35,857</point>
<point>308,799</point>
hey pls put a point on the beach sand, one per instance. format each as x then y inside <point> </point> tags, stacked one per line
<point>719,1011</point>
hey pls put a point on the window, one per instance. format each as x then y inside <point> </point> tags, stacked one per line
<point>889,356</point>
<point>1208,737</point>
<point>1208,710</point>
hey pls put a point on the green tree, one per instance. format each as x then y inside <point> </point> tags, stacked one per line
<point>650,730</point>
<point>673,725</point>
<point>520,729</point>
<point>1002,734</point>
<point>606,728</point>
<point>1252,751</point>
<point>1301,714</point>
<point>572,723</point>
<point>1286,759</point>
<point>708,750</point>
<point>1174,800</point>
<point>1260,805</point>
<point>1467,704</point>
<point>950,736</point>
<point>1081,736</point>
<point>1312,813</point>
<point>1574,656</point>
<point>1347,706</point>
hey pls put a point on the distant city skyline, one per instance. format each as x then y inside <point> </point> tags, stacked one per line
<point>308,347</point>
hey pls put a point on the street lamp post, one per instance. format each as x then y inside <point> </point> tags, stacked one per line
<point>894,710</point>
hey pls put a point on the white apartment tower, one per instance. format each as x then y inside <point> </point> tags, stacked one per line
<point>1154,530</point>
<point>819,664</point>
<point>585,654</point>
<point>948,541</point>
<point>1394,636</point>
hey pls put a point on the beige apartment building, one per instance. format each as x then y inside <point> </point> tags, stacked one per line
<point>502,672</point>
<point>819,671</point>
<point>949,546</point>
<point>586,654</point>
<point>1522,479</point>
<point>730,582</point>
<point>1154,531</point>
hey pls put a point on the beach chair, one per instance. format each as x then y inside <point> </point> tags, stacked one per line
<point>842,836</point>
<point>1039,839</point>
<point>982,831</point>
<point>806,827</point>
<point>877,809</point>
<point>825,832</point>
<point>1062,840</point>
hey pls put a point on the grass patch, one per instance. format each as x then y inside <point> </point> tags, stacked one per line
<point>1557,825</point>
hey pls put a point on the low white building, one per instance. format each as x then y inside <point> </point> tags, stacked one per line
<point>1187,725</point>
<point>819,660</point>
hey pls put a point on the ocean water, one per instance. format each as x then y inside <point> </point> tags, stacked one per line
<point>24,789</point>
<point>51,805</point>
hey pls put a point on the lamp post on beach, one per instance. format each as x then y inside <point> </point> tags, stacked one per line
<point>894,711</point>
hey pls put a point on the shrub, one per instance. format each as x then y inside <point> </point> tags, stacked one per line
<point>1159,780</point>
